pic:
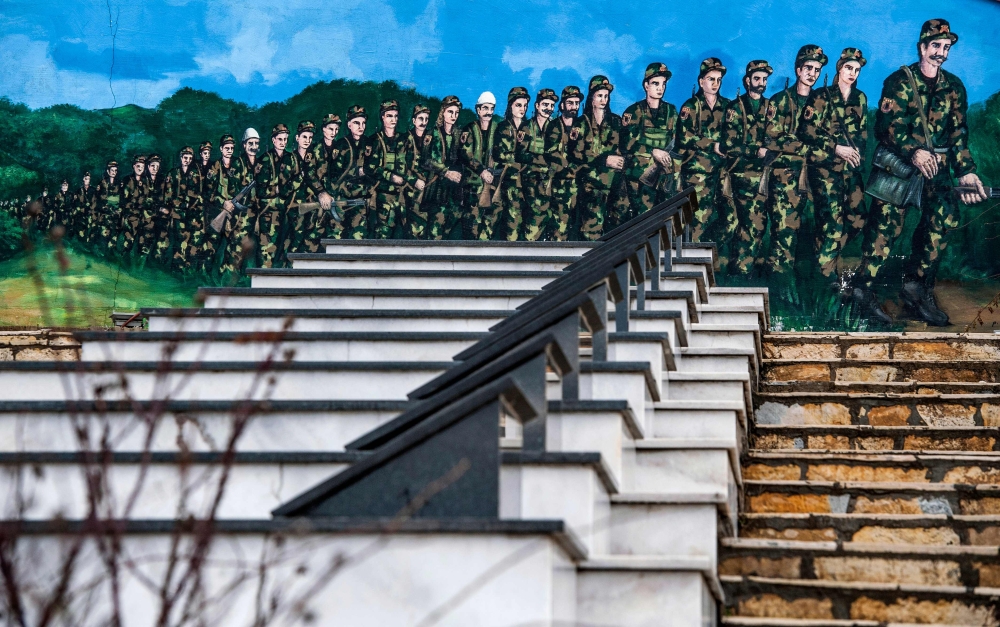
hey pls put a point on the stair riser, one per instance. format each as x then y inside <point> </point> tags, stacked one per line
<point>885,387</point>
<point>923,471</point>
<point>713,363</point>
<point>667,304</point>
<point>745,340</point>
<point>910,347</point>
<point>359,350</point>
<point>610,598</point>
<point>974,439</point>
<point>438,302</point>
<point>729,317</point>
<point>403,282</point>
<point>721,425</point>
<point>455,248</point>
<point>706,390</point>
<point>874,529</point>
<point>384,324</point>
<point>929,412</point>
<point>736,299</point>
<point>684,471</point>
<point>814,500</point>
<point>665,529</point>
<point>412,264</point>
<point>872,372</point>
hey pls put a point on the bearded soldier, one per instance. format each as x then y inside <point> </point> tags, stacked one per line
<point>836,129</point>
<point>135,199</point>
<point>699,129</point>
<point>648,136</point>
<point>445,192</point>
<point>537,173</point>
<point>787,152</point>
<point>602,169</point>
<point>477,141</point>
<point>389,168</point>
<point>565,150</point>
<point>922,120</point>
<point>182,197</point>
<point>415,217</point>
<point>348,179</point>
<point>508,153</point>
<point>277,168</point>
<point>742,142</point>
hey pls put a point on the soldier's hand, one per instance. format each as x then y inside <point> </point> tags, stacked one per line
<point>761,153</point>
<point>396,179</point>
<point>616,162</point>
<point>972,181</point>
<point>926,162</point>
<point>850,155</point>
<point>228,206</point>
<point>420,184</point>
<point>487,176</point>
<point>662,157</point>
<point>453,176</point>
<point>717,150</point>
<point>325,201</point>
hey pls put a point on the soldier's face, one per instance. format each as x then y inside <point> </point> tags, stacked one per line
<point>138,168</point>
<point>64,187</point>
<point>935,51</point>
<point>357,127</point>
<point>485,112</point>
<point>601,98</point>
<point>304,140</point>
<point>808,72</point>
<point>227,150</point>
<point>154,168</point>
<point>113,171</point>
<point>280,141</point>
<point>206,155</point>
<point>390,120</point>
<point>570,107</point>
<point>757,84</point>
<point>711,82</point>
<point>186,159</point>
<point>451,115</point>
<point>86,181</point>
<point>655,87</point>
<point>330,132</point>
<point>518,108</point>
<point>849,72</point>
<point>545,108</point>
<point>252,145</point>
<point>421,121</point>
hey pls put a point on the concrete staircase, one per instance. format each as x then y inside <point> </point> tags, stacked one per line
<point>604,502</point>
<point>872,488</point>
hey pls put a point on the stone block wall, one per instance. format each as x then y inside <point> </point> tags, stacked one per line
<point>40,345</point>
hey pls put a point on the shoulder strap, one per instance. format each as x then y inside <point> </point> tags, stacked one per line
<point>920,107</point>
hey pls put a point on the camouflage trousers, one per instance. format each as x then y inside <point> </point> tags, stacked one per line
<point>938,215</point>
<point>713,219</point>
<point>131,231</point>
<point>271,233</point>
<point>187,234</point>
<point>562,214</point>
<point>839,203</point>
<point>236,256</point>
<point>162,243</point>
<point>479,212</point>
<point>303,233</point>
<point>538,205</point>
<point>354,224</point>
<point>787,202</point>
<point>146,241</point>
<point>636,200</point>
<point>446,222</point>
<point>387,220</point>
<point>512,208</point>
<point>750,208</point>
<point>593,202</point>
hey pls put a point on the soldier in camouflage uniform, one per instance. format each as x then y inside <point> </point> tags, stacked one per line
<point>277,169</point>
<point>300,192</point>
<point>63,206</point>
<point>135,202</point>
<point>699,129</point>
<point>788,189</point>
<point>836,129</point>
<point>182,197</point>
<point>537,173</point>
<point>743,141</point>
<point>648,135</point>
<point>229,175</point>
<point>389,168</point>
<point>158,220</point>
<point>415,221</point>
<point>310,228</point>
<point>108,206</point>
<point>564,146</point>
<point>477,141</point>
<point>205,159</point>
<point>929,130</point>
<point>602,169</point>
<point>348,179</point>
<point>442,161</point>
<point>508,151</point>
<point>83,210</point>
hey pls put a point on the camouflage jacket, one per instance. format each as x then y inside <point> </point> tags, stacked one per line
<point>83,200</point>
<point>508,148</point>
<point>565,146</point>
<point>137,195</point>
<point>534,153</point>
<point>699,128</point>
<point>476,147</point>
<point>347,176</point>
<point>321,163</point>
<point>442,153</point>
<point>744,133</point>
<point>182,192</point>
<point>274,182</point>
<point>296,186</point>
<point>898,125</point>
<point>643,130</point>
<point>784,120</point>
<point>108,198</point>
<point>223,183</point>
<point>600,141</point>
<point>829,121</point>
<point>390,156</point>
<point>415,148</point>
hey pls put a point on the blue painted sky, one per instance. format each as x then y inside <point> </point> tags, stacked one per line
<point>256,51</point>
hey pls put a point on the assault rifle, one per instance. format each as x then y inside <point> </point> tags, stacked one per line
<point>237,200</point>
<point>992,193</point>
<point>309,207</point>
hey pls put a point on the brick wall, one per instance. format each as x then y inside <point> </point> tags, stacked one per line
<point>42,345</point>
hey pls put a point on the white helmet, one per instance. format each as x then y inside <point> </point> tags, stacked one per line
<point>486,97</point>
<point>250,133</point>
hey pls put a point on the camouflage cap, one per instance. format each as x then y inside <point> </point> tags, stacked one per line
<point>937,29</point>
<point>112,164</point>
<point>810,52</point>
<point>330,118</point>
<point>600,82</point>
<point>656,69</point>
<point>356,111</point>
<point>546,94</point>
<point>278,130</point>
<point>138,159</point>
<point>420,108</point>
<point>851,54</point>
<point>388,105</point>
<point>711,64</point>
<point>451,101</point>
<point>87,173</point>
<point>204,145</point>
<point>153,158</point>
<point>572,91</point>
<point>517,92</point>
<point>305,126</point>
<point>226,139</point>
<point>758,65</point>
<point>187,150</point>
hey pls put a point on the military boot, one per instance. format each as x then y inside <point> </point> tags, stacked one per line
<point>868,305</point>
<point>920,301</point>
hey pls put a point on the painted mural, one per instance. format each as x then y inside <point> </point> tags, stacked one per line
<point>845,155</point>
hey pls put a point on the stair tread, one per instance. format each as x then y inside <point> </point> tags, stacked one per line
<point>861,586</point>
<point>857,548</point>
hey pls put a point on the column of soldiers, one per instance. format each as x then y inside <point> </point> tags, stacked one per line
<point>759,166</point>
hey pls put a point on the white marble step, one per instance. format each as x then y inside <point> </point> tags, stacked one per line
<point>321,321</point>
<point>402,279</point>
<point>367,261</point>
<point>290,298</point>
<point>467,248</point>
